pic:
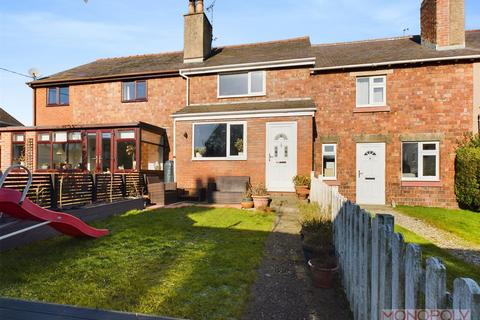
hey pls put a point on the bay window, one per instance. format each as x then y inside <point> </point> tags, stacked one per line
<point>241,84</point>
<point>18,148</point>
<point>329,161</point>
<point>420,161</point>
<point>219,141</point>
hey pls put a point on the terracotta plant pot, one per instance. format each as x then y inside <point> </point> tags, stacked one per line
<point>261,201</point>
<point>246,204</point>
<point>323,271</point>
<point>302,192</point>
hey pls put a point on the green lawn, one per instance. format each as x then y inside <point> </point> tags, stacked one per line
<point>456,268</point>
<point>462,223</point>
<point>195,263</point>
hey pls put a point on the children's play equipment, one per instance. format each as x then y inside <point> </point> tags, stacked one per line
<point>17,205</point>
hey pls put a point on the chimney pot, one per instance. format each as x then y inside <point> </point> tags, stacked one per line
<point>199,8</point>
<point>191,6</point>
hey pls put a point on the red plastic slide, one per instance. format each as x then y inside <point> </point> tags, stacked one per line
<point>11,204</point>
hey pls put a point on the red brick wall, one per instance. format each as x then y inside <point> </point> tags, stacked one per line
<point>195,174</point>
<point>428,99</point>
<point>280,84</point>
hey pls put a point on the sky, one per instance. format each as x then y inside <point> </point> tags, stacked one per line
<point>55,35</point>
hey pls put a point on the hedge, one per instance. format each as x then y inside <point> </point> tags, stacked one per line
<point>467,174</point>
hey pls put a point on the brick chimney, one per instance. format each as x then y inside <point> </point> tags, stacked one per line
<point>197,33</point>
<point>443,24</point>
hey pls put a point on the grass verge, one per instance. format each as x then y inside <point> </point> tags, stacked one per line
<point>456,268</point>
<point>462,223</point>
<point>194,263</point>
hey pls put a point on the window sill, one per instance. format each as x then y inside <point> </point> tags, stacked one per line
<point>219,159</point>
<point>436,184</point>
<point>263,94</point>
<point>332,183</point>
<point>58,105</point>
<point>133,101</point>
<point>371,109</point>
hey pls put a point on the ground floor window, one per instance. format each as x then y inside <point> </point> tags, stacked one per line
<point>420,161</point>
<point>126,150</point>
<point>219,141</point>
<point>18,148</point>
<point>59,150</point>
<point>152,145</point>
<point>329,161</point>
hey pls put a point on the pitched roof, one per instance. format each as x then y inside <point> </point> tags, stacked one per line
<point>333,56</point>
<point>172,62</point>
<point>247,106</point>
<point>388,50</point>
<point>6,120</point>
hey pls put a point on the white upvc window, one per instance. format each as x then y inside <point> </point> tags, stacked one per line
<point>371,91</point>
<point>219,141</point>
<point>420,161</point>
<point>243,84</point>
<point>329,161</point>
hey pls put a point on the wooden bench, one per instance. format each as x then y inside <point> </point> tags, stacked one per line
<point>227,190</point>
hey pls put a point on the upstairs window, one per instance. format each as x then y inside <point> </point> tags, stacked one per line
<point>133,91</point>
<point>241,84</point>
<point>420,161</point>
<point>58,96</point>
<point>371,91</point>
<point>329,159</point>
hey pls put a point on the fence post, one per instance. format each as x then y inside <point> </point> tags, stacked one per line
<point>466,296</point>
<point>413,276</point>
<point>398,271</point>
<point>355,260</point>
<point>366,264</point>
<point>53,191</point>
<point>385,262</point>
<point>435,285</point>
<point>374,269</point>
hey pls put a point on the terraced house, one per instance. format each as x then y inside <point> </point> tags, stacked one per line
<point>380,119</point>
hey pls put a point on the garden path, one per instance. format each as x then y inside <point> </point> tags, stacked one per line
<point>283,288</point>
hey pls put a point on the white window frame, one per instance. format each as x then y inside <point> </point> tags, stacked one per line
<point>421,154</point>
<point>372,86</point>
<point>228,157</point>
<point>327,153</point>
<point>250,93</point>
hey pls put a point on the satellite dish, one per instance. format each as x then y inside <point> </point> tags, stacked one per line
<point>34,73</point>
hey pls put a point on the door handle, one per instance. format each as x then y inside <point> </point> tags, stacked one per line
<point>359,173</point>
<point>269,157</point>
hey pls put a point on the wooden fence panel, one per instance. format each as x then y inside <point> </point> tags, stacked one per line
<point>379,271</point>
<point>41,190</point>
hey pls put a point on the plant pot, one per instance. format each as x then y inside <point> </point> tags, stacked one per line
<point>198,155</point>
<point>323,271</point>
<point>261,201</point>
<point>247,204</point>
<point>302,192</point>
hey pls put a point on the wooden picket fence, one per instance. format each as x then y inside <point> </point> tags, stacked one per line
<point>380,271</point>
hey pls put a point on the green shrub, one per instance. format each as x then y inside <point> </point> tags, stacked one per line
<point>300,180</point>
<point>467,173</point>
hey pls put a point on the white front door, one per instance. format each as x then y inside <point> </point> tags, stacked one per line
<point>371,173</point>
<point>281,156</point>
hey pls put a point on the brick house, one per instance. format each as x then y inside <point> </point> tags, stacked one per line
<point>380,119</point>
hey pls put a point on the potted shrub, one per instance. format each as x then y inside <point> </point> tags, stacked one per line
<point>239,146</point>
<point>200,152</point>
<point>302,186</point>
<point>260,196</point>
<point>316,231</point>
<point>247,201</point>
